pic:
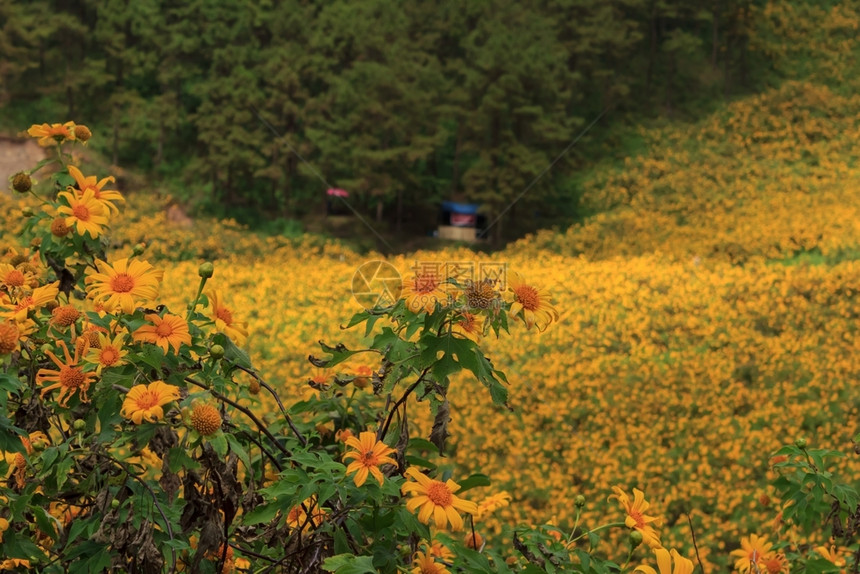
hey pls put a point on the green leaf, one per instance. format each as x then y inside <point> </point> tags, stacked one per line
<point>240,451</point>
<point>473,481</point>
<point>349,564</point>
<point>261,514</point>
<point>219,444</point>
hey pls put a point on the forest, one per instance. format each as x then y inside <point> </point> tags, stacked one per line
<point>246,107</point>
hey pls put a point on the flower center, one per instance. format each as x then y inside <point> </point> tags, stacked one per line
<point>71,377</point>
<point>81,212</point>
<point>225,315</point>
<point>369,459</point>
<point>14,278</point>
<point>147,400</point>
<point>773,566</point>
<point>122,283</point>
<point>164,329</point>
<point>439,493</point>
<point>637,516</point>
<point>528,297</point>
<point>108,356</point>
<point>65,315</point>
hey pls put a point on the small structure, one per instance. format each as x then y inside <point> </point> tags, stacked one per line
<point>335,203</point>
<point>459,221</point>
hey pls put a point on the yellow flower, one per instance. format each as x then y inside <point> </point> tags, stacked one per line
<point>144,402</point>
<point>70,377</point>
<point>469,325</point>
<point>438,550</point>
<point>426,564</point>
<point>832,554</point>
<point>105,196</point>
<point>170,330</point>
<point>106,353</point>
<point>124,285</point>
<point>774,563</point>
<point>636,517</point>
<point>297,517</point>
<point>9,337</point>
<point>531,304</point>
<point>368,454</point>
<point>492,503</point>
<point>751,553</point>
<point>436,500</point>
<point>84,212</point>
<point>665,558</point>
<point>223,316</point>
<point>14,278</point>
<point>423,292</point>
<point>40,297</point>
<point>48,134</point>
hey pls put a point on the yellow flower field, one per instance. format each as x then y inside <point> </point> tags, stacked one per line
<point>708,316</point>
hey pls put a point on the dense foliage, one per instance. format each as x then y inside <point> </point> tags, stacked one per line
<point>401,103</point>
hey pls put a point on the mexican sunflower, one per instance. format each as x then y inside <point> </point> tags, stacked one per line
<point>107,197</point>
<point>84,212</point>
<point>425,564</point>
<point>297,517</point>
<point>40,297</point>
<point>124,285</point>
<point>665,558</point>
<point>70,377</point>
<point>468,325</point>
<point>144,402</point>
<point>48,134</point>
<point>636,517</point>
<point>423,292</point>
<point>369,454</point>
<point>435,499</point>
<point>224,321</point>
<point>530,303</point>
<point>170,330</point>
<point>107,353</point>
<point>751,553</point>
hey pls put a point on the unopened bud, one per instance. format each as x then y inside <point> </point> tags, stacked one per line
<point>79,424</point>
<point>21,182</point>
<point>38,445</point>
<point>138,249</point>
<point>216,351</point>
<point>800,442</point>
<point>114,503</point>
<point>635,538</point>
<point>474,541</point>
<point>254,387</point>
<point>206,270</point>
<point>579,501</point>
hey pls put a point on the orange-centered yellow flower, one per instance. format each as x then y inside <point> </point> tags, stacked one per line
<point>40,297</point>
<point>13,278</point>
<point>297,517</point>
<point>85,213</point>
<point>106,353</point>
<point>665,558</point>
<point>530,303</point>
<point>752,552</point>
<point>368,454</point>
<point>70,377</point>
<point>106,196</point>
<point>170,330</point>
<point>124,285</point>
<point>144,402</point>
<point>426,564</point>
<point>636,517</point>
<point>423,291</point>
<point>49,134</point>
<point>224,321</point>
<point>469,325</point>
<point>435,499</point>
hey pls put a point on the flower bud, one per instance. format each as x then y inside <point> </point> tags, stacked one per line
<point>35,242</point>
<point>254,387</point>
<point>21,182</point>
<point>83,133</point>
<point>216,351</point>
<point>579,501</point>
<point>79,424</point>
<point>27,212</point>
<point>138,249</point>
<point>114,503</point>
<point>800,442</point>
<point>38,445</point>
<point>635,538</point>
<point>206,270</point>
